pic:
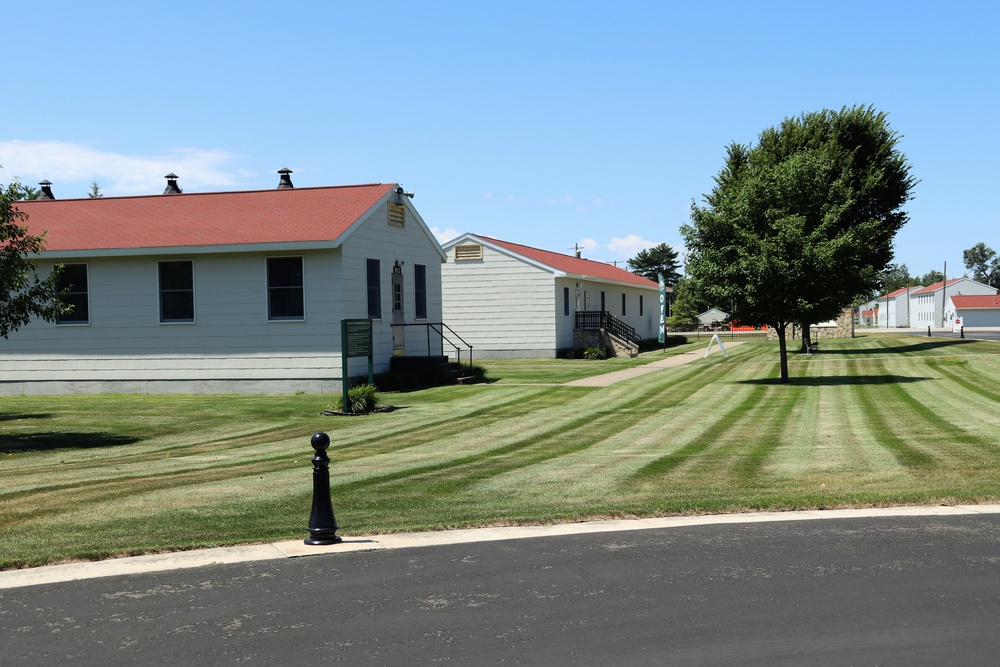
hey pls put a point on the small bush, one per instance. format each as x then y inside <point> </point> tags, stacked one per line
<point>361,400</point>
<point>593,353</point>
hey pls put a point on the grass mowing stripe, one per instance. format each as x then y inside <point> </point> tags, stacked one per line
<point>480,465</point>
<point>974,387</point>
<point>774,412</point>
<point>724,423</point>
<point>881,418</point>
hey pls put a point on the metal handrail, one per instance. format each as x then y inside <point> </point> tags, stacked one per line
<point>434,326</point>
<point>602,319</point>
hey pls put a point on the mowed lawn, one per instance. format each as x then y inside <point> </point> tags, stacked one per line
<point>877,420</point>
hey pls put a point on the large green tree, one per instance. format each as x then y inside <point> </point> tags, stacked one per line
<point>658,259</point>
<point>23,295</point>
<point>684,314</point>
<point>800,225</point>
<point>982,260</point>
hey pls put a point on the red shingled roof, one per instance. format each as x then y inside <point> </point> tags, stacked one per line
<point>201,219</point>
<point>976,301</point>
<point>574,265</point>
<point>934,287</point>
<point>899,292</point>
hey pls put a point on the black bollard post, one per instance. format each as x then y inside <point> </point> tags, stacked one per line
<point>322,524</point>
<point>961,332</point>
<point>928,331</point>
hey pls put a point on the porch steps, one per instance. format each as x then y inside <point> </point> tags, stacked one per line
<point>435,366</point>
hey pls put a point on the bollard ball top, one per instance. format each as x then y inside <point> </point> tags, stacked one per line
<point>320,441</point>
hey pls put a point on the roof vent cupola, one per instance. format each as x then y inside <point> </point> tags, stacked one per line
<point>286,179</point>
<point>172,187</point>
<point>46,193</point>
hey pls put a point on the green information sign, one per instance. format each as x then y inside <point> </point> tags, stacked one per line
<point>357,337</point>
<point>355,341</point>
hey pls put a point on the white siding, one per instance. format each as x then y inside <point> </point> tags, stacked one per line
<point>508,307</point>
<point>503,306</point>
<point>409,245</point>
<point>231,338</point>
<point>231,346</point>
<point>927,308</point>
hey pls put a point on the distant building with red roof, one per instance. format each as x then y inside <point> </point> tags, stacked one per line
<point>981,310</point>
<point>513,300</point>
<point>931,305</point>
<point>225,291</point>
<point>894,308</point>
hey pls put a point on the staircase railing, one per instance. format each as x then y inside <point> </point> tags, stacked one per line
<point>602,319</point>
<point>438,329</point>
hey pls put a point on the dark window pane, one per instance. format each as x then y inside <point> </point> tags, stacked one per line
<point>285,298</point>
<point>176,275</point>
<point>374,289</point>
<point>420,290</point>
<point>177,291</point>
<point>286,303</point>
<point>73,277</point>
<point>177,306</point>
<point>284,272</point>
<point>73,280</point>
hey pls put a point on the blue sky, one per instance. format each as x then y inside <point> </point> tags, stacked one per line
<point>550,124</point>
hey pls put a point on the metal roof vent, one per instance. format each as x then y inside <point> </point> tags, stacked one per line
<point>286,179</point>
<point>172,187</point>
<point>46,193</point>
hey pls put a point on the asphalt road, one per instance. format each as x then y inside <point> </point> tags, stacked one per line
<point>883,591</point>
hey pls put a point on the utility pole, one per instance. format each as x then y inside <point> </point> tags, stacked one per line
<point>944,293</point>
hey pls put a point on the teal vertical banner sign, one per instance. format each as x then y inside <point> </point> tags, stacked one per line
<point>663,309</point>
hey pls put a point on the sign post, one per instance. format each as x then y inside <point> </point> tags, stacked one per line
<point>355,341</point>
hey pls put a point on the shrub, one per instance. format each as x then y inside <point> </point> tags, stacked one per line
<point>361,400</point>
<point>593,353</point>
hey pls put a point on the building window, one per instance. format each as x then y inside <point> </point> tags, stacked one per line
<point>566,301</point>
<point>468,252</point>
<point>623,304</point>
<point>420,291</point>
<point>640,305</point>
<point>73,282</point>
<point>374,290</point>
<point>602,301</point>
<point>177,291</point>
<point>285,289</point>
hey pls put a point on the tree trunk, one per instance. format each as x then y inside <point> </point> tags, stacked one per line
<point>783,349</point>
<point>806,339</point>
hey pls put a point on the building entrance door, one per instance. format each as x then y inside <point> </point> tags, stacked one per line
<point>398,319</point>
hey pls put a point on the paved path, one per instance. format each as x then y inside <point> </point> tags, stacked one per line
<point>906,586</point>
<point>608,379</point>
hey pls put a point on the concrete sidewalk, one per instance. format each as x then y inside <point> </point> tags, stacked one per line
<point>608,379</point>
<point>297,548</point>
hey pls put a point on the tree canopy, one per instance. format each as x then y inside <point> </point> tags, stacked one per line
<point>800,225</point>
<point>658,259</point>
<point>896,276</point>
<point>23,295</point>
<point>931,277</point>
<point>982,260</point>
<point>684,313</point>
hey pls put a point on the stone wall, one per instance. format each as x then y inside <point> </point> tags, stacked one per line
<point>612,346</point>
<point>843,327</point>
